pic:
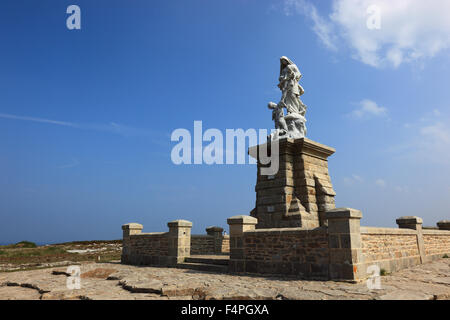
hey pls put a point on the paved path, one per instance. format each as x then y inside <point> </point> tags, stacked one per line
<point>116,281</point>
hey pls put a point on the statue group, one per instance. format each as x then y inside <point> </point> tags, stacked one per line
<point>291,125</point>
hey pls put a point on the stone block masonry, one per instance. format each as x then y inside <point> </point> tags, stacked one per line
<point>341,249</point>
<point>157,248</point>
<point>214,242</point>
<point>301,192</point>
<point>290,251</point>
<point>172,247</point>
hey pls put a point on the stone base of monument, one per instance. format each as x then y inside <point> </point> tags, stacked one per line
<point>300,193</point>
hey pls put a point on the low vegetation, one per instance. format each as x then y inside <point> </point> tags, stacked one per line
<point>26,254</point>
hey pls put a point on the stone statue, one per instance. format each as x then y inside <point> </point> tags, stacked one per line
<point>291,125</point>
<point>278,116</point>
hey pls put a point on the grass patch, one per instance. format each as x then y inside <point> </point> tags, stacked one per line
<point>25,244</point>
<point>445,256</point>
<point>21,244</point>
<point>38,252</point>
<point>29,257</point>
<point>92,242</point>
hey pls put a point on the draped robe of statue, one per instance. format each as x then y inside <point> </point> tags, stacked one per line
<point>291,90</point>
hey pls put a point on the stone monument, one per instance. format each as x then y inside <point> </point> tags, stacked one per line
<point>301,191</point>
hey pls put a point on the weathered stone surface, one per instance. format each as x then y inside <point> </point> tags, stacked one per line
<point>410,222</point>
<point>444,224</point>
<point>131,228</point>
<point>290,197</point>
<point>427,281</point>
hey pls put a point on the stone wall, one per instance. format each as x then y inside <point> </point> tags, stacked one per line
<point>436,243</point>
<point>341,250</point>
<point>391,249</point>
<point>148,248</point>
<point>290,251</point>
<point>202,244</point>
<point>158,248</point>
<point>395,249</point>
<point>225,245</point>
<point>214,242</point>
<point>170,248</point>
<point>206,244</point>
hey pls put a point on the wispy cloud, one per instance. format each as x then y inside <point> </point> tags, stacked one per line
<point>352,180</point>
<point>402,189</point>
<point>111,127</point>
<point>380,182</point>
<point>428,142</point>
<point>321,27</point>
<point>73,163</point>
<point>42,120</point>
<point>438,133</point>
<point>367,109</point>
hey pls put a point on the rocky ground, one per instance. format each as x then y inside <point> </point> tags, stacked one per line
<point>115,281</point>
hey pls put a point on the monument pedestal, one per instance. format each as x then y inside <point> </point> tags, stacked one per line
<point>300,193</point>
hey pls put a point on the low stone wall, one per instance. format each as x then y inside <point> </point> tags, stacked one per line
<point>391,249</point>
<point>436,243</point>
<point>339,250</point>
<point>202,244</point>
<point>342,250</point>
<point>170,248</point>
<point>158,248</point>
<point>292,251</point>
<point>148,249</point>
<point>206,244</point>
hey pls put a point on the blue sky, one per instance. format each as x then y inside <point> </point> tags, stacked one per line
<point>86,115</point>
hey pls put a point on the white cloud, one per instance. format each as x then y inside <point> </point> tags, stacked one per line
<point>410,29</point>
<point>401,189</point>
<point>380,183</point>
<point>437,133</point>
<point>368,108</point>
<point>428,143</point>
<point>436,112</point>
<point>71,164</point>
<point>352,180</point>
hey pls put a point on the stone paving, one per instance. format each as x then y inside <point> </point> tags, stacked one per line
<point>107,281</point>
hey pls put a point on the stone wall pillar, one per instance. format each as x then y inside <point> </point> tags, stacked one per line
<point>238,226</point>
<point>216,232</point>
<point>344,239</point>
<point>127,230</point>
<point>410,222</point>
<point>415,223</point>
<point>179,238</point>
<point>444,225</point>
